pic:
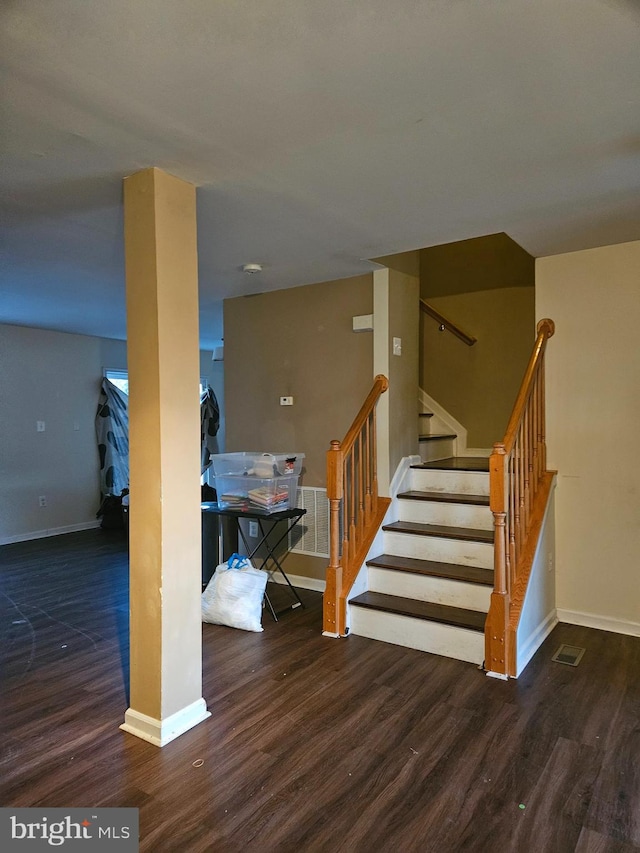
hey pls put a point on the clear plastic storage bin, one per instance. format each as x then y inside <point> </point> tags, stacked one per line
<point>267,494</point>
<point>257,464</point>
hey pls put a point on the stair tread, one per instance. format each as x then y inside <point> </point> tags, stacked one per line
<point>435,436</point>
<point>445,497</point>
<point>471,534</point>
<point>434,568</point>
<point>446,614</point>
<point>457,463</point>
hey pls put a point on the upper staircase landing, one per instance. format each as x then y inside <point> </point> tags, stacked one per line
<point>458,463</point>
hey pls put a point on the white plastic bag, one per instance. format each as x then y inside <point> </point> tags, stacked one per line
<point>234,595</point>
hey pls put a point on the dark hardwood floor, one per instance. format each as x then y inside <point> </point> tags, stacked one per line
<point>314,744</point>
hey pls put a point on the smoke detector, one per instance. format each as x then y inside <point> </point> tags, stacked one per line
<point>252,268</point>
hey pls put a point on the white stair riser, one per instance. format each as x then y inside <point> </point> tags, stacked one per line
<point>471,596</point>
<point>435,548</point>
<point>432,637</point>
<point>437,448</point>
<point>451,515</point>
<point>456,482</point>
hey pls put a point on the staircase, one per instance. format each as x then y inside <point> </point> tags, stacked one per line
<point>431,588</point>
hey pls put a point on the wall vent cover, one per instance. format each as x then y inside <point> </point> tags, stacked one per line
<point>570,655</point>
<point>311,533</point>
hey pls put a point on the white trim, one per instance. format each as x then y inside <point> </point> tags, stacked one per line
<point>302,581</point>
<point>499,675</point>
<point>602,623</point>
<point>162,732</point>
<point>533,642</point>
<point>52,531</point>
<point>331,634</point>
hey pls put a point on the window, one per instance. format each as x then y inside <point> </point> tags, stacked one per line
<point>120,379</point>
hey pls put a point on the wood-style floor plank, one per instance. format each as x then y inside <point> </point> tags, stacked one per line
<point>314,744</point>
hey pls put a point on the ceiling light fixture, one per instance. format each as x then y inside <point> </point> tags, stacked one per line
<point>252,268</point>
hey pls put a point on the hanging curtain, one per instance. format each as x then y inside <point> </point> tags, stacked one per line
<point>112,431</point>
<point>209,425</point>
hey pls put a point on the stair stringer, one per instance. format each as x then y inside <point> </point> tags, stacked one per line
<point>400,482</point>
<point>537,616</point>
<point>443,421</point>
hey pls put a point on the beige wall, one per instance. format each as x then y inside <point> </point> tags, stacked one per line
<point>486,286</point>
<point>297,342</point>
<point>593,412</point>
<point>52,377</point>
<point>404,294</point>
<point>55,377</point>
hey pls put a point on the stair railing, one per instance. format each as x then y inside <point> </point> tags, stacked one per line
<point>448,325</point>
<point>355,508</point>
<point>517,470</point>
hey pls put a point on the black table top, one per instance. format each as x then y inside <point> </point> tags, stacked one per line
<point>252,511</point>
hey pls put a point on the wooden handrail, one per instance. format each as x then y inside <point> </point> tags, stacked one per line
<point>355,508</point>
<point>442,321</point>
<point>518,488</point>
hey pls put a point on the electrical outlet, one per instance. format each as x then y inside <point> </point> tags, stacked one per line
<point>286,401</point>
<point>40,426</point>
<point>253,529</point>
<point>42,500</point>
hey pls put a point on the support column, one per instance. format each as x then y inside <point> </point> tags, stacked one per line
<point>381,366</point>
<point>164,449</point>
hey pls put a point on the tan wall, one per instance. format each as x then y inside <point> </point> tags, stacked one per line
<point>486,286</point>
<point>593,412</point>
<point>297,342</point>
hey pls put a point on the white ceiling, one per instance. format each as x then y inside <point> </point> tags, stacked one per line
<point>320,133</point>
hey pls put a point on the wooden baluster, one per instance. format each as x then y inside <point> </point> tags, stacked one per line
<point>374,464</point>
<point>516,501</point>
<point>352,506</point>
<point>361,517</point>
<point>543,447</point>
<point>367,469</point>
<point>537,473</point>
<point>512,485</point>
<point>540,439</point>
<point>525,470</point>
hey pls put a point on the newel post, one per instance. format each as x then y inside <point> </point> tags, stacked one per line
<point>496,634</point>
<point>332,618</point>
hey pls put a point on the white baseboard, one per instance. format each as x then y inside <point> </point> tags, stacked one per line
<point>301,581</point>
<point>52,531</point>
<point>602,623</point>
<point>535,639</point>
<point>162,732</point>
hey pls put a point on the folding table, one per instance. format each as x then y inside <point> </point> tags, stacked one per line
<point>281,523</point>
